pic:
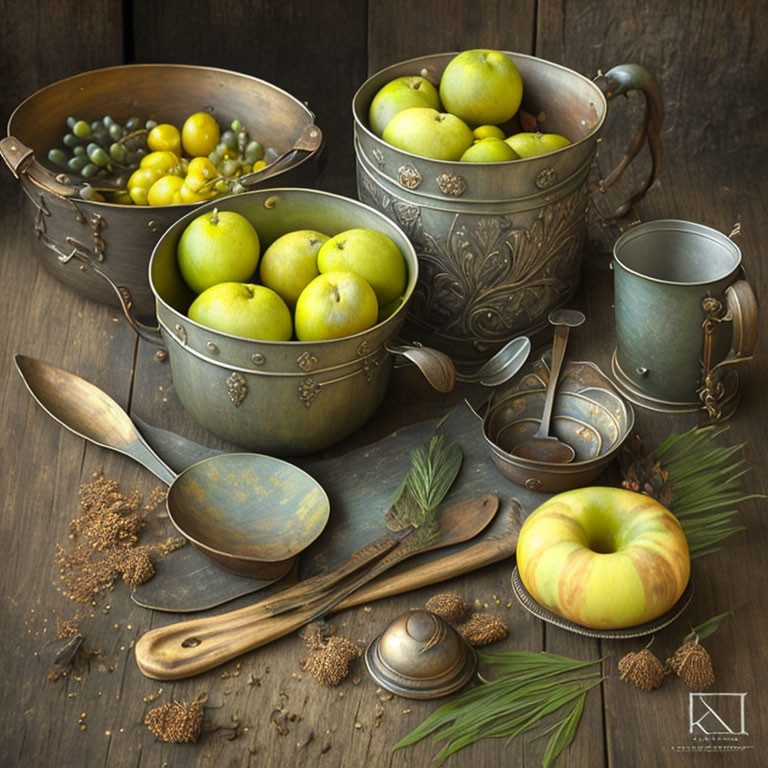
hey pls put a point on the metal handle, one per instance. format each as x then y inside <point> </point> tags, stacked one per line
<point>558,355</point>
<point>436,366</point>
<point>741,310</point>
<point>310,140</point>
<point>149,333</point>
<point>21,161</point>
<point>618,81</point>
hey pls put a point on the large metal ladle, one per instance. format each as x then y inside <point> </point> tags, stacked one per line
<point>247,538</point>
<point>542,446</point>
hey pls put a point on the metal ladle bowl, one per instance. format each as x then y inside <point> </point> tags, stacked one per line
<point>249,513</point>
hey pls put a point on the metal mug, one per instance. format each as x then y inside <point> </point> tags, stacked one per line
<point>684,316</point>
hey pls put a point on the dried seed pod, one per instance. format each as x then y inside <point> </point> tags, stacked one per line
<point>483,629</point>
<point>642,669</point>
<point>450,606</point>
<point>329,661</point>
<point>176,721</point>
<point>692,664</point>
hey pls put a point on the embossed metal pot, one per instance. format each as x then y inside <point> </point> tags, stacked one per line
<point>287,398</point>
<point>499,244</point>
<point>120,238</point>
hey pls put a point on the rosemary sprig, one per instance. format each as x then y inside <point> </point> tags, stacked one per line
<point>699,479</point>
<point>529,687</point>
<point>434,467</point>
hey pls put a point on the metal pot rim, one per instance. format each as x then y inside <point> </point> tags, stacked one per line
<point>420,60</point>
<point>92,72</point>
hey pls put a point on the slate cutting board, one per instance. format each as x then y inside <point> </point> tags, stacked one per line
<point>360,485</point>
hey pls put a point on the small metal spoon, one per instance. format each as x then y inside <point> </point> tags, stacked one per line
<point>502,366</point>
<point>543,446</point>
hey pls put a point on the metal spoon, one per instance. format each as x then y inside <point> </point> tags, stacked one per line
<point>502,366</point>
<point>219,488</point>
<point>543,446</point>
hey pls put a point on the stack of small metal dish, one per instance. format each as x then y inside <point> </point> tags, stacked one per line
<point>588,415</point>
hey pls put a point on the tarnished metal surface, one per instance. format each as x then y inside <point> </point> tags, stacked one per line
<point>123,236</point>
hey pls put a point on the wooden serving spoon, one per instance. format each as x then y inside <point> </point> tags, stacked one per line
<point>191,647</point>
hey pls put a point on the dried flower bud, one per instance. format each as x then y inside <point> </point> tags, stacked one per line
<point>642,669</point>
<point>451,607</point>
<point>693,665</point>
<point>329,662</point>
<point>175,721</point>
<point>483,629</point>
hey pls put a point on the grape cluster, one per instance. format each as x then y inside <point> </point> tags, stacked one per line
<point>104,151</point>
<point>107,157</point>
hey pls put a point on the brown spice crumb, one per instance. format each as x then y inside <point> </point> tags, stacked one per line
<point>641,669</point>
<point>176,722</point>
<point>483,629</point>
<point>450,606</point>
<point>329,656</point>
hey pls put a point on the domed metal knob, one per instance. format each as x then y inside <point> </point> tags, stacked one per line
<point>420,656</point>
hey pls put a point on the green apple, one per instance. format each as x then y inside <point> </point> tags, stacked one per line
<point>243,309</point>
<point>370,254</point>
<point>400,94</point>
<point>429,133</point>
<point>481,86</point>
<point>290,263</point>
<point>217,247</point>
<point>533,144</point>
<point>334,305</point>
<point>490,150</point>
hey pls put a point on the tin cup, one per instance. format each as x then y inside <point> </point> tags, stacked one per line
<point>684,316</point>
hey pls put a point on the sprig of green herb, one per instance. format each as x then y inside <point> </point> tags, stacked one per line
<point>434,467</point>
<point>528,688</point>
<point>706,628</point>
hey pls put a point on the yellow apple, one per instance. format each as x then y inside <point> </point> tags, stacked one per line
<point>481,86</point>
<point>217,247</point>
<point>604,558</point>
<point>290,263</point>
<point>490,150</point>
<point>487,132</point>
<point>528,144</point>
<point>397,95</point>
<point>372,255</point>
<point>334,305</point>
<point>243,309</point>
<point>429,133</point>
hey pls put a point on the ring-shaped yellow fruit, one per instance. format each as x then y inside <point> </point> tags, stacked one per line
<point>604,558</point>
<point>200,134</point>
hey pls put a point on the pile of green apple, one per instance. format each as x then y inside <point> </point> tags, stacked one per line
<point>307,285</point>
<point>468,119</point>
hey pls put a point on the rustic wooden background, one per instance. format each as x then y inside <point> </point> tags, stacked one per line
<point>711,59</point>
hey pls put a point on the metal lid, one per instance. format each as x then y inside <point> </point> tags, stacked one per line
<point>420,656</point>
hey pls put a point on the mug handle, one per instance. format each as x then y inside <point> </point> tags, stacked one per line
<point>618,81</point>
<point>741,311</point>
<point>21,161</point>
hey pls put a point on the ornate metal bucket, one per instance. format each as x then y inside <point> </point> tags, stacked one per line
<point>499,244</point>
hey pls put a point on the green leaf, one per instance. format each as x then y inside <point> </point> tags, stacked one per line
<point>708,627</point>
<point>565,733</point>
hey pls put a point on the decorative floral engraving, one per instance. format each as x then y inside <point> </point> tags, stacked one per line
<point>307,361</point>
<point>362,350</point>
<point>488,277</point>
<point>409,177</point>
<point>451,184</point>
<point>237,388</point>
<point>40,214</point>
<point>97,225</point>
<point>378,156</point>
<point>546,178</point>
<point>308,391</point>
<point>371,365</point>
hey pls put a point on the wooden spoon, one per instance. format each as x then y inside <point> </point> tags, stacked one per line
<point>191,647</point>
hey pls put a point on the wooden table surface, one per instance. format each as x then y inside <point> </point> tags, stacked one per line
<point>711,65</point>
